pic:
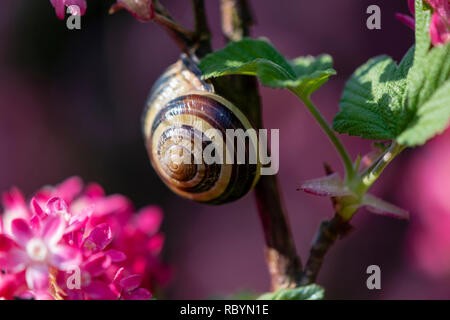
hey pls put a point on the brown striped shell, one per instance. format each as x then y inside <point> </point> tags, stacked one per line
<point>183,118</point>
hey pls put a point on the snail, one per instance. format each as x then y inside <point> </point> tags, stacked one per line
<point>184,118</point>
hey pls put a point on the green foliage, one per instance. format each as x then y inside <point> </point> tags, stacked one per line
<point>428,99</point>
<point>409,103</point>
<point>259,58</point>
<point>372,101</point>
<point>311,73</point>
<point>422,19</point>
<point>310,292</point>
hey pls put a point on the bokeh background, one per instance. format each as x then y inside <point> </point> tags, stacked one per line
<point>70,104</point>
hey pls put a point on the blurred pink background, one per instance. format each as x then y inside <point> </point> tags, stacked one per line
<point>70,104</point>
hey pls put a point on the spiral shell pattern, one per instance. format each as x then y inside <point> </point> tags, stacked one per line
<point>183,120</point>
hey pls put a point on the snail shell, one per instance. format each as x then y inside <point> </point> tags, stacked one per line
<point>182,111</point>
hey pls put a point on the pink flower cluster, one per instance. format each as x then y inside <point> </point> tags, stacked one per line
<point>440,21</point>
<point>427,192</point>
<point>75,243</point>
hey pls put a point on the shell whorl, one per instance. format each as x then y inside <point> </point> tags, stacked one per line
<point>183,118</point>
<point>180,78</point>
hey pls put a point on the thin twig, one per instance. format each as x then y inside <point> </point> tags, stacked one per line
<point>202,33</point>
<point>284,265</point>
<point>334,139</point>
<point>328,233</point>
<point>184,38</point>
<point>197,42</point>
<point>281,256</point>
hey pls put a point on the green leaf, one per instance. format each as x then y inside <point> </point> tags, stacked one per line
<point>409,102</point>
<point>259,58</point>
<point>422,19</point>
<point>432,118</point>
<point>310,292</point>
<point>372,101</point>
<point>311,73</point>
<point>427,98</point>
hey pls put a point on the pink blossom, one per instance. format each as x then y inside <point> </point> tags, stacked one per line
<point>71,228</point>
<point>128,286</point>
<point>144,241</point>
<point>440,28</point>
<point>94,284</point>
<point>11,285</point>
<point>15,207</point>
<point>75,7</point>
<point>36,250</point>
<point>135,234</point>
<point>440,21</point>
